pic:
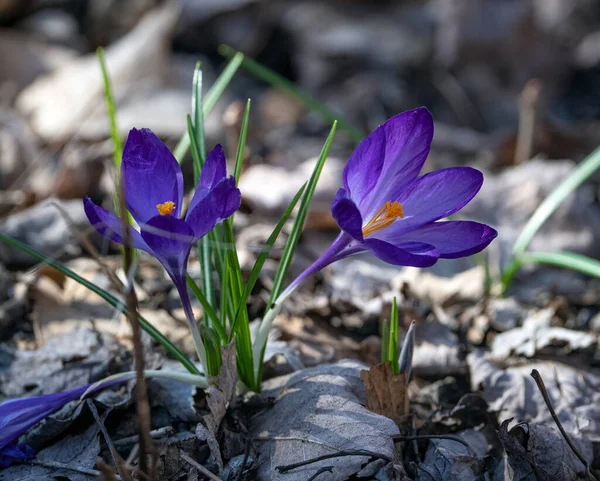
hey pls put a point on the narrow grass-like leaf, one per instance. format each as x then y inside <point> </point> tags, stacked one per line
<point>393,340</point>
<point>107,296</point>
<point>566,260</point>
<point>112,113</point>
<point>197,112</point>
<point>243,339</point>
<point>195,148</point>
<point>206,307</point>
<point>262,258</point>
<point>199,157</point>
<point>294,237</point>
<point>385,341</point>
<point>269,76</point>
<point>213,350</point>
<point>239,159</point>
<point>583,171</point>
<point>224,296</point>
<point>260,342</point>
<point>212,96</point>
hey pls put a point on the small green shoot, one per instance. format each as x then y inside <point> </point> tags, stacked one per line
<point>393,354</point>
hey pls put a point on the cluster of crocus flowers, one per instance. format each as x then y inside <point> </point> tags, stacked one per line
<point>384,207</point>
<point>153,189</point>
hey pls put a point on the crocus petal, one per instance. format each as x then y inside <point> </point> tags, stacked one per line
<point>171,240</point>
<point>11,452</point>
<point>454,239</point>
<point>347,215</point>
<point>213,171</point>
<point>150,176</point>
<point>388,159</point>
<point>19,415</point>
<point>218,204</point>
<point>432,197</point>
<point>110,226</point>
<point>417,254</point>
<point>214,168</point>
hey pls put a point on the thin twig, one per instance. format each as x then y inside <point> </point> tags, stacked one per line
<point>244,461</point>
<point>542,387</point>
<point>57,465</point>
<point>107,472</point>
<point>339,454</point>
<point>527,135</point>
<point>400,438</point>
<point>143,407</point>
<point>157,433</point>
<point>117,459</point>
<point>186,457</point>
<point>324,469</point>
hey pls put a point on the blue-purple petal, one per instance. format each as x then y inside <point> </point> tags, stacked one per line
<point>150,175</point>
<point>19,415</point>
<point>213,171</point>
<point>214,168</point>
<point>346,214</point>
<point>218,204</point>
<point>388,159</point>
<point>417,254</point>
<point>110,226</point>
<point>13,451</point>
<point>454,239</point>
<point>432,197</point>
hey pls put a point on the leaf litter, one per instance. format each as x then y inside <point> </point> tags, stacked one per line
<point>471,384</point>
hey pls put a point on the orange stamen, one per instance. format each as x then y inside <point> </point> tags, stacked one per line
<point>166,208</point>
<point>388,213</point>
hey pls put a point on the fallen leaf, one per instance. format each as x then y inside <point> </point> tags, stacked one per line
<point>386,392</point>
<point>448,460</point>
<point>542,450</point>
<point>318,411</point>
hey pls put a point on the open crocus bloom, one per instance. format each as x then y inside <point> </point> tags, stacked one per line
<point>384,206</point>
<point>153,185</point>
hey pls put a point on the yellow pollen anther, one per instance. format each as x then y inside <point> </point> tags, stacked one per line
<point>166,208</point>
<point>388,213</point>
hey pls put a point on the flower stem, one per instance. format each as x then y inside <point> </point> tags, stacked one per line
<point>332,254</point>
<point>196,336</point>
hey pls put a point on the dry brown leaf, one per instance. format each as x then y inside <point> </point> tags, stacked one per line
<point>221,389</point>
<point>386,392</point>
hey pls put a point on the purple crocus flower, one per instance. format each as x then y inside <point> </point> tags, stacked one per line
<point>153,185</point>
<point>385,208</point>
<point>19,415</point>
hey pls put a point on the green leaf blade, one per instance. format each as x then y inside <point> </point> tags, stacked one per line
<point>212,96</point>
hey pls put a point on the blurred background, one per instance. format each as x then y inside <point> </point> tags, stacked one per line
<point>512,85</point>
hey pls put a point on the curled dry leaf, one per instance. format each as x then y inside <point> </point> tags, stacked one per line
<point>542,450</point>
<point>386,392</point>
<point>220,394</point>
